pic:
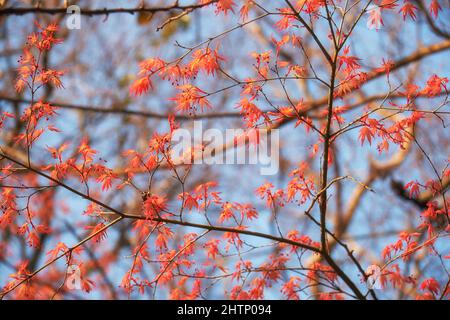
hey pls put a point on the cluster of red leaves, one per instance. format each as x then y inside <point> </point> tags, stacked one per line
<point>26,291</point>
<point>392,275</point>
<point>271,273</point>
<point>408,9</point>
<point>404,243</point>
<point>40,208</point>
<point>33,223</point>
<point>221,5</point>
<point>294,235</point>
<point>31,117</point>
<point>8,206</point>
<point>176,261</point>
<point>409,243</point>
<point>250,112</point>
<point>32,76</point>
<point>4,116</point>
<point>300,188</point>
<point>30,220</point>
<point>397,133</point>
